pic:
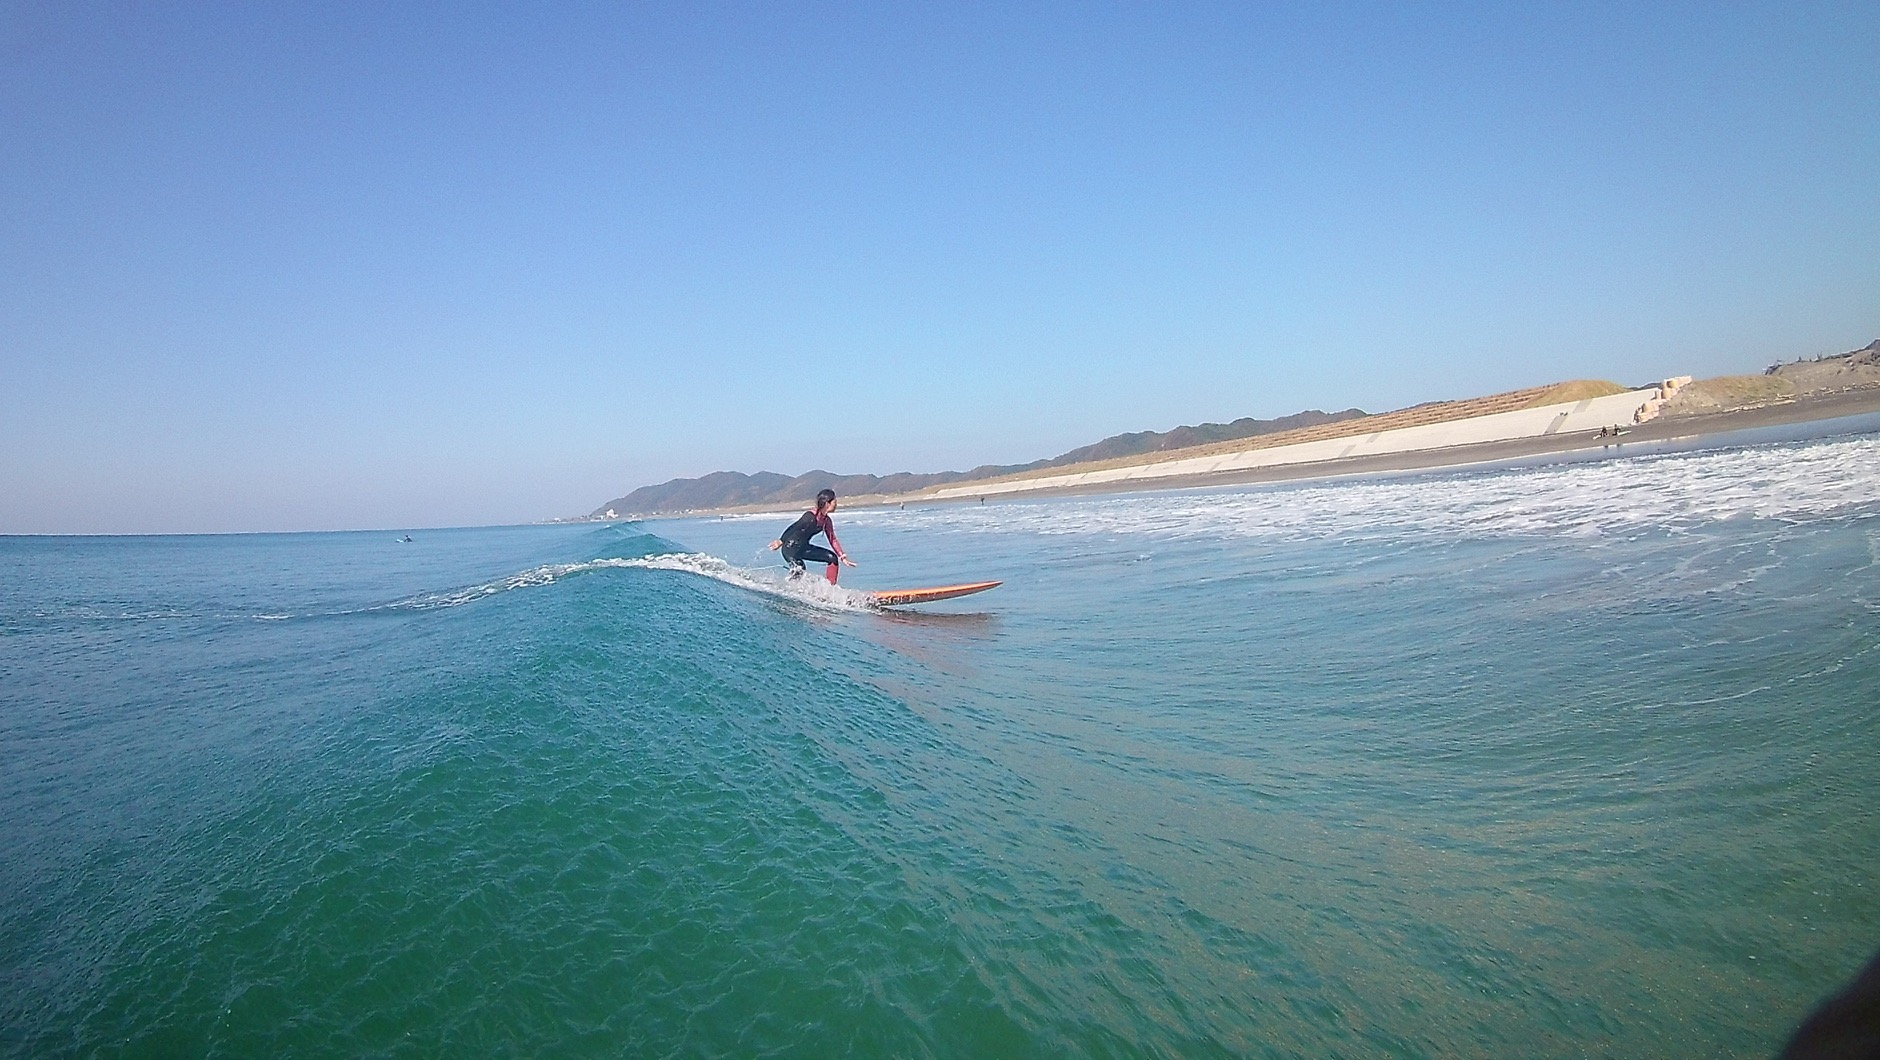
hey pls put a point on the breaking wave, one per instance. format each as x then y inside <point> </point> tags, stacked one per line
<point>547,574</point>
<point>1675,491</point>
<point>811,590</point>
<point>808,589</point>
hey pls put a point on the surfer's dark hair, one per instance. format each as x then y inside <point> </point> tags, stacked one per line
<point>823,497</point>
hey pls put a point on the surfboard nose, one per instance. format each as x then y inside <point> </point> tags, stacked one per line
<point>897,597</point>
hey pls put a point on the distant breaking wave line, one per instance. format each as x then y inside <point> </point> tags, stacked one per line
<point>1675,491</point>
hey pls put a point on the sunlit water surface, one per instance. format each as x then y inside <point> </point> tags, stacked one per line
<point>1561,760</point>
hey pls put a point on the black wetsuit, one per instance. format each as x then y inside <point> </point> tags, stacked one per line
<point>796,547</point>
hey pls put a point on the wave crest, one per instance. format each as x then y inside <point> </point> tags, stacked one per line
<point>808,589</point>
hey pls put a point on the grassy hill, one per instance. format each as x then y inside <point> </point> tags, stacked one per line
<point>733,489</point>
<point>1415,416</point>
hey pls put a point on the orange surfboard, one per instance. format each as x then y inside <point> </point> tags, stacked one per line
<point>897,597</point>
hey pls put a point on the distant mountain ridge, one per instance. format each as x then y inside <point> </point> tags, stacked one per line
<point>1139,442</point>
<point>731,489</point>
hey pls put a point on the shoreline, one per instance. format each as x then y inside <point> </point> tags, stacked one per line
<point>1815,408</point>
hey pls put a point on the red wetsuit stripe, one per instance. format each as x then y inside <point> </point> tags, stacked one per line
<point>829,531</point>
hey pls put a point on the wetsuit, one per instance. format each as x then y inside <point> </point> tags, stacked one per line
<point>796,547</point>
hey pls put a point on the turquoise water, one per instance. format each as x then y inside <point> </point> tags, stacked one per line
<point>1550,761</point>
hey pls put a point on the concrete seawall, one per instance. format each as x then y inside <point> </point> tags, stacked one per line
<point>1587,415</point>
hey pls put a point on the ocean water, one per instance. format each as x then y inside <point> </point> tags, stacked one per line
<point>1563,760</point>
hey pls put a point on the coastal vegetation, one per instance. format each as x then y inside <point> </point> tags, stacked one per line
<point>731,490</point>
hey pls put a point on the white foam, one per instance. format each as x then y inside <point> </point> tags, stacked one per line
<point>1673,491</point>
<point>808,589</point>
<point>534,576</point>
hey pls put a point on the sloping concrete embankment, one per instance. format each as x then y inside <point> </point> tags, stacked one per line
<point>1588,415</point>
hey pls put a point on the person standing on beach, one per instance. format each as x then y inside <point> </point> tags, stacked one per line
<point>795,539</point>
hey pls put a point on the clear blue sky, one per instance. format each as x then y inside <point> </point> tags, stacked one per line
<point>381,265</point>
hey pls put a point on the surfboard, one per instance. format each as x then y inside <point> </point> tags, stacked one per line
<point>897,597</point>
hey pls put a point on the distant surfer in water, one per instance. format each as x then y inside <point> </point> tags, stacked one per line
<point>795,540</point>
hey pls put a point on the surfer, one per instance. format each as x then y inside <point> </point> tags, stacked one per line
<point>795,539</point>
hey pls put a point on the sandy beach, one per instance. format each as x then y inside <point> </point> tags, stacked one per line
<point>1857,402</point>
<point>1825,407</point>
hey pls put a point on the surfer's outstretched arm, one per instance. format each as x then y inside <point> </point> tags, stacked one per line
<point>836,547</point>
<point>829,531</point>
